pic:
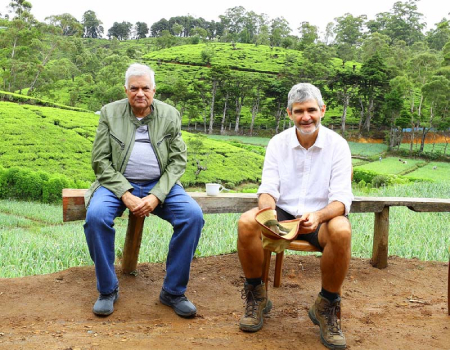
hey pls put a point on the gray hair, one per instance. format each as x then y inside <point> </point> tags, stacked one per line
<point>304,92</point>
<point>139,70</point>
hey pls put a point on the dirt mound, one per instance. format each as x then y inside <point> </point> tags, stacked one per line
<point>401,307</point>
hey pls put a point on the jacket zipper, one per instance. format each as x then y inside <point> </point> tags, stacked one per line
<point>165,137</point>
<point>128,150</point>
<point>154,150</point>
<point>122,145</point>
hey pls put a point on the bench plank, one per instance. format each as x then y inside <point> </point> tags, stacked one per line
<point>73,203</point>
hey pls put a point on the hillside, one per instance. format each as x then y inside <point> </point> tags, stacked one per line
<point>58,142</point>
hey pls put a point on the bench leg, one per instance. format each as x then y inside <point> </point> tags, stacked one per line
<point>448,293</point>
<point>132,244</point>
<point>278,269</point>
<point>381,239</point>
<point>266,267</point>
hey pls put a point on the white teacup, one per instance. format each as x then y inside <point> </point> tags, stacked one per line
<point>213,189</point>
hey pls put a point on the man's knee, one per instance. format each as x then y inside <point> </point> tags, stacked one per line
<point>340,231</point>
<point>97,213</point>
<point>247,225</point>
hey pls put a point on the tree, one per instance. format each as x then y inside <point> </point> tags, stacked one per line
<point>344,85</point>
<point>402,23</point>
<point>421,68</point>
<point>92,25</point>
<point>177,29</point>
<point>159,27</point>
<point>141,30</point>
<point>309,34</point>
<point>257,96</point>
<point>165,40</point>
<point>216,75</point>
<point>373,87</point>
<point>349,29</point>
<point>240,89</point>
<point>233,23</point>
<point>375,43</point>
<point>279,29</point>
<point>437,93</point>
<point>21,9</point>
<point>121,31</point>
<point>50,40</point>
<point>68,24</point>
<point>401,89</point>
<point>277,90</point>
<point>438,37</point>
<point>16,40</point>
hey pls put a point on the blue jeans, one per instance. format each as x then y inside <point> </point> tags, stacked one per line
<point>183,213</point>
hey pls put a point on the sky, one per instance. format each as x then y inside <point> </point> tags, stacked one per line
<point>317,12</point>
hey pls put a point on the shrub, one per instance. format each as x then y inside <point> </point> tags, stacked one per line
<point>363,175</point>
<point>28,185</point>
<point>380,180</point>
<point>53,188</point>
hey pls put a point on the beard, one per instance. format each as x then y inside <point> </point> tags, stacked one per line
<point>308,132</point>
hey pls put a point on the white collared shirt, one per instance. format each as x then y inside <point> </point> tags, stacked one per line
<point>306,180</point>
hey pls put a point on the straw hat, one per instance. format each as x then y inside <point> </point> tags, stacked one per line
<point>276,236</point>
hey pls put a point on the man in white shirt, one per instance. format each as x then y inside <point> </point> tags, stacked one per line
<point>307,174</point>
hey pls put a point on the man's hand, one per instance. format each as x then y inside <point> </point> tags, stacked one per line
<point>140,206</point>
<point>309,222</point>
<point>149,203</point>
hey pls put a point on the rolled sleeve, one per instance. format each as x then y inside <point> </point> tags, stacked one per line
<point>270,180</point>
<point>340,182</point>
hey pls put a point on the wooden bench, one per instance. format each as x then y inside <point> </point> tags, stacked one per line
<point>74,209</point>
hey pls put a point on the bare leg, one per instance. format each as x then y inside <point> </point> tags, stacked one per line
<point>335,238</point>
<point>250,250</point>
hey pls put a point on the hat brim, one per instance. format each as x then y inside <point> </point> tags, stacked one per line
<point>268,214</point>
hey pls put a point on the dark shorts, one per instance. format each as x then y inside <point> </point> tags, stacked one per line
<point>312,238</point>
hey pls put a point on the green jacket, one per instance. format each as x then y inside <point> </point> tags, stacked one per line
<point>114,142</point>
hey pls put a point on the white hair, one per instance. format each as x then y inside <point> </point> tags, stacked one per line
<point>139,70</point>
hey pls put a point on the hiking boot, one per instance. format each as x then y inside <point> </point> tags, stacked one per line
<point>327,316</point>
<point>179,303</point>
<point>104,305</point>
<point>256,304</point>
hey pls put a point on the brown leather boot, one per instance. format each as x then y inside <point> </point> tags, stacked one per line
<point>256,304</point>
<point>328,317</point>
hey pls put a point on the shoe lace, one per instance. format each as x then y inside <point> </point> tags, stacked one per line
<point>180,298</point>
<point>331,313</point>
<point>251,302</point>
<point>107,296</point>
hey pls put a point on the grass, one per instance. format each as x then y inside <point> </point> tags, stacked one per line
<point>392,165</point>
<point>434,171</point>
<point>33,239</point>
<point>367,149</point>
<point>259,141</point>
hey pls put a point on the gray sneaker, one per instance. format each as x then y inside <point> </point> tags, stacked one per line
<point>104,305</point>
<point>179,303</point>
<point>328,317</point>
<point>256,304</point>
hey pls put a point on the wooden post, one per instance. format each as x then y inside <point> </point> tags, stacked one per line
<point>266,267</point>
<point>381,239</point>
<point>278,269</point>
<point>132,243</point>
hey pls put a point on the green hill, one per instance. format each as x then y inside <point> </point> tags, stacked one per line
<point>54,142</point>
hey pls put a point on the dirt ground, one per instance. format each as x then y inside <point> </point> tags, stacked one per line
<point>401,307</point>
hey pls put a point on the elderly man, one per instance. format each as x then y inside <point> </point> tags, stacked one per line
<point>138,157</point>
<point>307,175</point>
